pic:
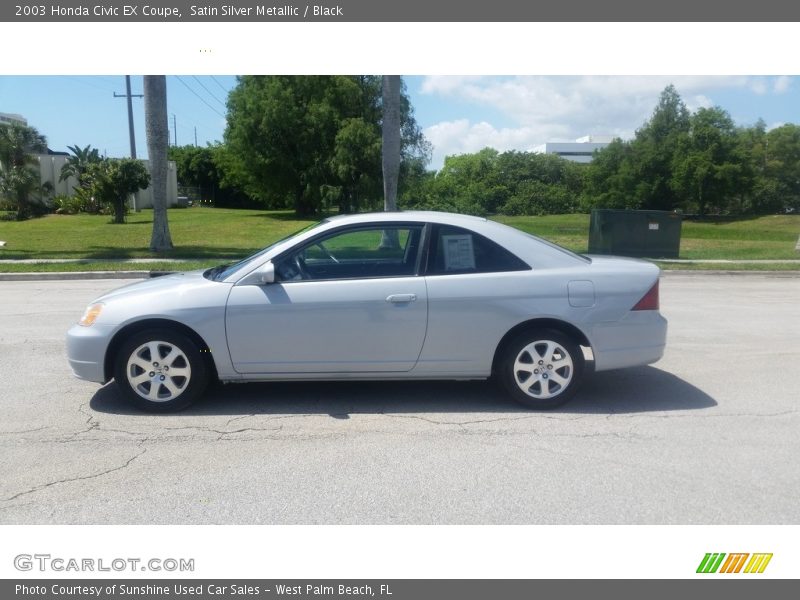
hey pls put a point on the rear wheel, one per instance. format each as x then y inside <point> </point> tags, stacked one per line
<point>160,370</point>
<point>541,369</point>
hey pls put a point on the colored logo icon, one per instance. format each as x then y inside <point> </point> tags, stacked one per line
<point>734,563</point>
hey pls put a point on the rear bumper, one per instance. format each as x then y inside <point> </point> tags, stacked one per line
<point>86,351</point>
<point>637,339</point>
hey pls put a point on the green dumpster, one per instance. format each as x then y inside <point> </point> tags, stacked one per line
<point>638,233</point>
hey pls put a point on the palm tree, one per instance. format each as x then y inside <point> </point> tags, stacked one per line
<point>18,178</point>
<point>80,160</point>
<point>391,140</point>
<point>390,153</point>
<point>157,130</point>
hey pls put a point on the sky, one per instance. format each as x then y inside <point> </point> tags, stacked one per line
<point>457,113</point>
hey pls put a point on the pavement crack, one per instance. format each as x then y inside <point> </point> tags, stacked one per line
<point>23,431</point>
<point>221,433</point>
<point>239,418</point>
<point>39,488</point>
<point>91,421</point>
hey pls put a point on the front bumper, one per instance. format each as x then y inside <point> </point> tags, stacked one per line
<point>86,351</point>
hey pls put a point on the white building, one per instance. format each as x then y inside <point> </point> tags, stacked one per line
<point>50,172</point>
<point>581,150</point>
<point>9,118</point>
<point>50,165</point>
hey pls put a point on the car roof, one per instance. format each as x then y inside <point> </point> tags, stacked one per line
<point>422,216</point>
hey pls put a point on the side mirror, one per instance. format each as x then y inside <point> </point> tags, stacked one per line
<point>267,272</point>
<point>261,276</point>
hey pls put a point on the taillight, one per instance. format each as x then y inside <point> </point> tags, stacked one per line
<point>650,300</point>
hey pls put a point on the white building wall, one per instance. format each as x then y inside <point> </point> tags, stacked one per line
<point>50,170</point>
<point>575,151</point>
<point>581,150</point>
<point>9,118</point>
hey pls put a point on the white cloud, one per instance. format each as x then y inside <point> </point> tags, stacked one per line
<point>759,86</point>
<point>435,84</point>
<point>539,109</point>
<point>698,101</point>
<point>781,84</point>
<point>462,136</point>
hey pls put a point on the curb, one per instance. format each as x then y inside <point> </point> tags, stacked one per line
<point>722,272</point>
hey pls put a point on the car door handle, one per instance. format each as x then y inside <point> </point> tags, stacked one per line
<point>401,298</point>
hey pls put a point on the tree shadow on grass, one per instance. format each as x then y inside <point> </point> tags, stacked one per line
<point>638,390</point>
<point>100,253</point>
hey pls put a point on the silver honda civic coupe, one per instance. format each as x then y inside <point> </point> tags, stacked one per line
<point>399,295</point>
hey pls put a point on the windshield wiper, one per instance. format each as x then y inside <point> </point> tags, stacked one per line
<point>213,272</point>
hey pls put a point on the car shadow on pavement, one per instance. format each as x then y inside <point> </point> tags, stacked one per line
<point>637,390</point>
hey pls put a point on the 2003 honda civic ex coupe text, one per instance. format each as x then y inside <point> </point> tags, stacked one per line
<point>402,295</point>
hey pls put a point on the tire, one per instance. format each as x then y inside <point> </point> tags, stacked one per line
<point>541,369</point>
<point>160,370</point>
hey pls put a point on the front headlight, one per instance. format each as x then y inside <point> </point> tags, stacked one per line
<point>90,314</point>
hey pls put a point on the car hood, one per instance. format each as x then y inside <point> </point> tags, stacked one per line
<point>157,285</point>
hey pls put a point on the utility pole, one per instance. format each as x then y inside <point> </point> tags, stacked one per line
<point>128,95</point>
<point>195,136</point>
<point>175,129</point>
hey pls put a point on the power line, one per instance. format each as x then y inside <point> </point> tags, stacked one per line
<point>206,89</point>
<point>199,97</point>
<point>222,87</point>
<point>82,80</point>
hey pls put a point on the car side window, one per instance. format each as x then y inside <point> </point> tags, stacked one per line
<point>356,253</point>
<point>456,250</point>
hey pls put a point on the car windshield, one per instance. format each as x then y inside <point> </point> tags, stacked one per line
<point>221,272</point>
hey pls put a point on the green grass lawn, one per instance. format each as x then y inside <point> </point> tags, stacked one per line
<point>196,233</point>
<point>208,234</point>
<point>770,237</point>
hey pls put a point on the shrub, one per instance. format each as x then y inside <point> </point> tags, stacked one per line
<point>536,198</point>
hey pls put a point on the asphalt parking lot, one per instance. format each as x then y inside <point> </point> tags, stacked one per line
<point>709,435</point>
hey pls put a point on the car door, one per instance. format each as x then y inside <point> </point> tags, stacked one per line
<point>348,301</point>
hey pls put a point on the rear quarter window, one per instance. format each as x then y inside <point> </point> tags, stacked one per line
<point>456,250</point>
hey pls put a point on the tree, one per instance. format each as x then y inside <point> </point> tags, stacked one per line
<point>356,152</point>
<point>611,178</point>
<point>782,159</point>
<point>390,153</point>
<point>76,167</point>
<point>202,168</point>
<point>112,181</point>
<point>467,183</point>
<point>653,153</point>
<point>80,160</point>
<point>19,178</point>
<point>708,167</point>
<point>157,131</point>
<point>304,141</point>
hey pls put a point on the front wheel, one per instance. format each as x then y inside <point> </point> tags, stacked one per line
<point>541,369</point>
<point>160,370</point>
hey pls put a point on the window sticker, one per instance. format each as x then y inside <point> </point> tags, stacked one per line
<point>459,253</point>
